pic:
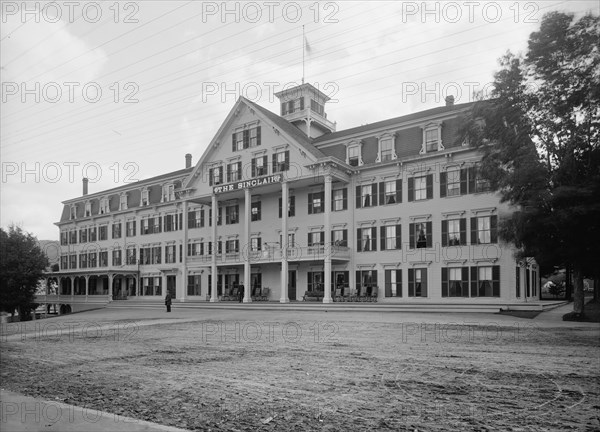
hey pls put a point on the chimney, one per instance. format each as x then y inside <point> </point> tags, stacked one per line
<point>85,186</point>
<point>449,100</point>
<point>188,160</point>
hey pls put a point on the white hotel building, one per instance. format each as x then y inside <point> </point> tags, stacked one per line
<point>289,203</point>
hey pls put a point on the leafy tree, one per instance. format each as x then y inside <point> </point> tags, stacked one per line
<point>22,263</point>
<point>540,143</point>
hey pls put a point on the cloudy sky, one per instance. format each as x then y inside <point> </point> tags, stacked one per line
<point>119,92</point>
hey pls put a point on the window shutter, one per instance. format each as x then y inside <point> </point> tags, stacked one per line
<point>228,173</point>
<point>463,231</point>
<point>287,160</point>
<point>463,182</point>
<point>345,237</point>
<point>210,176</point>
<point>265,165</point>
<point>398,236</point>
<point>473,281</point>
<point>474,231</point>
<point>322,237</point>
<point>374,238</point>
<point>373,194</point>
<point>518,281</point>
<point>388,282</point>
<point>464,283</point>
<point>496,281</point>
<point>443,181</point>
<point>444,233</point>
<point>382,199</point>
<point>239,170</point>
<point>411,236</point>
<point>358,241</point>
<point>357,280</point>
<point>411,282</point>
<point>274,162</point>
<point>258,135</point>
<point>471,180</point>
<point>220,175</point>
<point>429,226</point>
<point>444,282</point>
<point>424,282</point>
<point>398,191</point>
<point>246,138</point>
<point>411,189</point>
<point>382,240</point>
<point>358,203</point>
<point>345,199</point>
<point>301,103</point>
<point>399,283</point>
<point>253,168</point>
<point>233,142</point>
<point>494,229</point>
<point>429,181</point>
<point>280,201</point>
<point>310,203</point>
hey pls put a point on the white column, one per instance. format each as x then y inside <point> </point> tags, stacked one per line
<point>284,243</point>
<point>183,266</point>
<point>213,265</point>
<point>247,206</point>
<point>111,279</point>
<point>328,250</point>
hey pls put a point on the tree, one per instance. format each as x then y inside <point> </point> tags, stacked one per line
<point>22,263</point>
<point>539,133</point>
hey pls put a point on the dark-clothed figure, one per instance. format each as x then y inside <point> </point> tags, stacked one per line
<point>168,302</point>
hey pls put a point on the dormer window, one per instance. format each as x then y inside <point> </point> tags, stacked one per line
<point>88,208</point>
<point>123,201</point>
<point>168,192</point>
<point>145,201</point>
<point>386,152</point>
<point>432,138</point>
<point>104,207</point>
<point>73,212</point>
<point>354,154</point>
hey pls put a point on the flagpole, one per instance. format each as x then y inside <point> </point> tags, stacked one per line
<point>303,49</point>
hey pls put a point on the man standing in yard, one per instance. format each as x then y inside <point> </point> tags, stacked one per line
<point>168,302</point>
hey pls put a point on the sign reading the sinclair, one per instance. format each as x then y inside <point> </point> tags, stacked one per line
<point>276,178</point>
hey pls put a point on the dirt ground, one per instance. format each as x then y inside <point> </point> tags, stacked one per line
<point>338,372</point>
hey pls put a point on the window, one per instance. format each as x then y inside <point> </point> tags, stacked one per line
<point>130,228</point>
<point>195,249</point>
<point>455,282</point>
<point>173,222</point>
<point>234,172</point>
<point>366,280</point>
<point>481,184</point>
<point>366,195</point>
<point>291,206</point>
<point>316,238</point>
<point>196,219</point>
<point>131,255</point>
<point>339,199</point>
<point>366,239</point>
<point>417,282</point>
<point>386,149</point>
<point>292,106</point>
<point>391,192</point>
<point>145,199</point>
<point>353,157</point>
<point>103,259</point>
<point>393,283</point>
<point>104,207</point>
<point>151,286</point>
<point>255,244</point>
<point>170,257</point>
<point>92,234</point>
<point>485,281</point>
<point>92,259</point>
<point>73,212</point>
<point>317,107</point>
<point>194,287</point>
<point>315,202</point>
<point>157,224</point>
<point>88,208</point>
<point>232,214</point>
<point>64,238</point>
<point>83,258</point>
<point>453,182</point>
<point>64,262</point>
<point>116,230</point>
<point>116,257</point>
<point>259,166</point>
<point>150,255</point>
<point>123,201</point>
<point>484,230</point>
<point>454,232</point>
<point>291,240</point>
<point>315,281</point>
<point>431,140</point>
<point>232,246</point>
<point>420,188</point>
<point>168,193</point>
<point>103,232</point>
<point>83,235</point>
<point>391,237</point>
<point>73,261</point>
<point>339,237</point>
<point>215,176</point>
<point>255,211</point>
<point>238,140</point>
<point>420,235</point>
<point>73,237</point>
<point>255,136</point>
<point>281,161</point>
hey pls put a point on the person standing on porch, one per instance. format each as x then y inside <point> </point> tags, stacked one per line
<point>168,302</point>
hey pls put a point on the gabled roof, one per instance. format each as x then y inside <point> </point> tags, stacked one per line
<point>391,122</point>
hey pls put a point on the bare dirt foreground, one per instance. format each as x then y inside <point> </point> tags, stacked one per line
<point>301,371</point>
